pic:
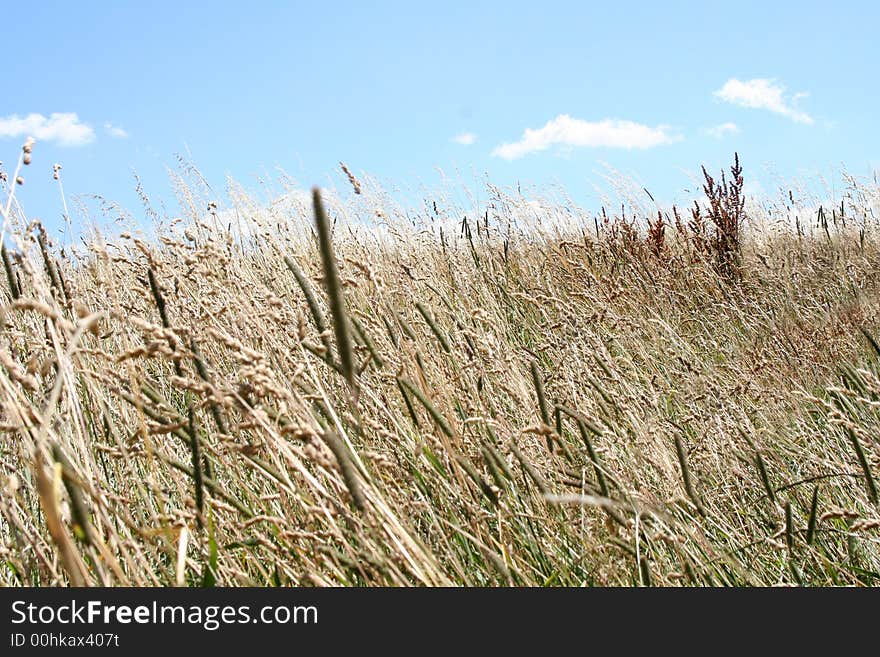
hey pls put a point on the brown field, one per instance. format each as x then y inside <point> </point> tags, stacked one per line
<point>532,395</point>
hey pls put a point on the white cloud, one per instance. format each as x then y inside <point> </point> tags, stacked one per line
<point>719,131</point>
<point>465,138</point>
<point>63,128</point>
<point>115,131</point>
<point>765,94</point>
<point>566,131</point>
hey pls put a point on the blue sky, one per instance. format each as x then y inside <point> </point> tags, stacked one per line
<point>538,93</point>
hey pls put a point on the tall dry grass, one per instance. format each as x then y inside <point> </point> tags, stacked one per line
<point>531,395</point>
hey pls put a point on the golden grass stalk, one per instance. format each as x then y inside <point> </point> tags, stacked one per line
<point>82,526</point>
<point>48,491</point>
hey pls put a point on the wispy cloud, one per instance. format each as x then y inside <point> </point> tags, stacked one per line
<point>465,138</point>
<point>115,131</point>
<point>65,129</point>
<point>566,131</point>
<point>722,130</point>
<point>762,93</point>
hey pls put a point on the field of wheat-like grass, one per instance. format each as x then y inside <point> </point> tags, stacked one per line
<point>528,394</point>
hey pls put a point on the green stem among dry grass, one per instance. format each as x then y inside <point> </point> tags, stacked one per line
<point>334,291</point>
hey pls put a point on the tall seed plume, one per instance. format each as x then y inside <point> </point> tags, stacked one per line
<point>542,400</point>
<point>789,526</point>
<point>195,453</point>
<point>311,301</point>
<point>597,467</point>
<point>347,468</point>
<point>441,338</point>
<point>334,292</point>
<point>814,508</point>
<point>686,476</point>
<point>539,391</point>
<point>14,290</point>
<point>866,467</point>
<point>355,184</point>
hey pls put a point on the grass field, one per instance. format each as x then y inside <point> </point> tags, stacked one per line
<point>529,394</point>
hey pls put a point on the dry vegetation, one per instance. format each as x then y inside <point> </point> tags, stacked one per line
<point>254,397</point>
